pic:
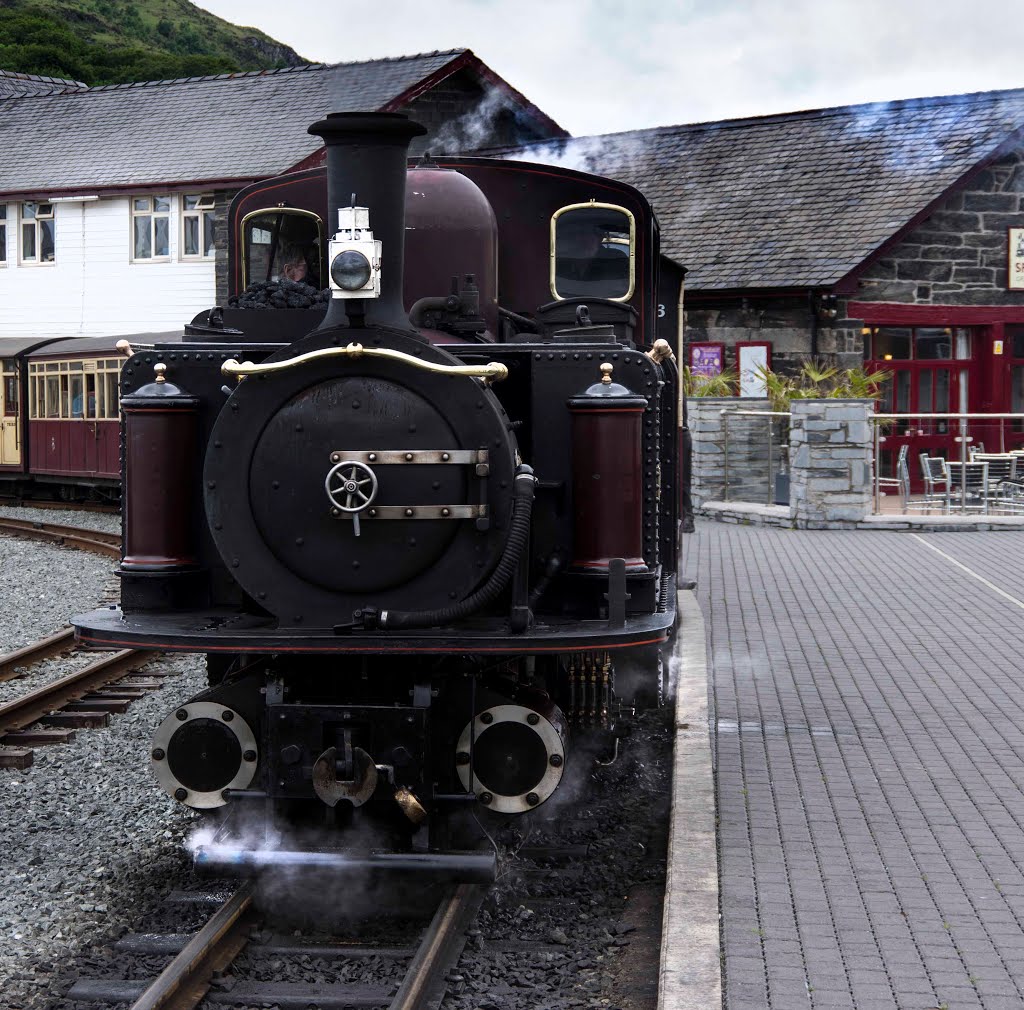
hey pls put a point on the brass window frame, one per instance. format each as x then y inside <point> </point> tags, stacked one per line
<point>298,211</point>
<point>593,205</point>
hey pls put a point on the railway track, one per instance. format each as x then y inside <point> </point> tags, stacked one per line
<point>84,698</point>
<point>61,506</point>
<point>96,541</point>
<point>203,958</point>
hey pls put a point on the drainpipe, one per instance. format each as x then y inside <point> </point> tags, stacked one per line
<point>814,324</point>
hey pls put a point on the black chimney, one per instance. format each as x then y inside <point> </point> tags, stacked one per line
<point>366,156</point>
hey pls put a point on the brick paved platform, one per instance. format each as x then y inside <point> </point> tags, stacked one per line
<point>868,732</point>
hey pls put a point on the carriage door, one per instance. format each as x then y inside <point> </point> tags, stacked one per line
<point>10,437</point>
<point>83,399</point>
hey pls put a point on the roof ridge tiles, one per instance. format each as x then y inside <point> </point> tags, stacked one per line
<point>302,68</point>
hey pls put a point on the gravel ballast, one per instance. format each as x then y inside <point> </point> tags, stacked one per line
<point>88,837</point>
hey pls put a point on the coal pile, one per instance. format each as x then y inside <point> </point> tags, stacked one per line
<point>283,294</point>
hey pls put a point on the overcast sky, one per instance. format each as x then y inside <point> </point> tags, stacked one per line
<point>599,66</point>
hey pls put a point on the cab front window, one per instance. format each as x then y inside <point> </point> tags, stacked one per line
<point>282,244</point>
<point>593,249</point>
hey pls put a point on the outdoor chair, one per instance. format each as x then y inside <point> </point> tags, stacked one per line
<point>1006,491</point>
<point>901,486</point>
<point>968,485</point>
<point>936,483</point>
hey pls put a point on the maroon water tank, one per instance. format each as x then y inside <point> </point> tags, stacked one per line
<point>450,231</point>
<point>607,476</point>
<point>161,443</point>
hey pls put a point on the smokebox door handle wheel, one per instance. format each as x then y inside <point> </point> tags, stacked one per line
<point>351,486</point>
<point>493,371</point>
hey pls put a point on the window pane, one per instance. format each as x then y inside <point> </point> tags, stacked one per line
<point>933,343</point>
<point>592,253</point>
<point>28,211</point>
<point>141,203</point>
<point>942,386</point>
<point>65,400</point>
<point>191,235</point>
<point>892,343</point>
<point>28,241</point>
<point>100,398</point>
<point>45,210</point>
<point>90,396</point>
<point>52,396</point>
<point>3,243</point>
<point>191,202</point>
<point>47,240</point>
<point>3,211</point>
<point>160,246</point>
<point>110,379</point>
<point>208,234</point>
<point>162,204</point>
<point>143,248</point>
<point>77,400</point>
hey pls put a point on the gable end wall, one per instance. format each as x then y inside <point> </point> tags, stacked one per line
<point>957,256</point>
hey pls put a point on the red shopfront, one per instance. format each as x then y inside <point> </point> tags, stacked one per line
<point>946,359</point>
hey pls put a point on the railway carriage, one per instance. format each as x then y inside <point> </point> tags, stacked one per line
<point>429,539</point>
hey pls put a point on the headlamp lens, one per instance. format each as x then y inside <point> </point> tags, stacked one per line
<point>350,270</point>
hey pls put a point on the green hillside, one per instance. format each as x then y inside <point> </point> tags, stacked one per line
<point>115,41</point>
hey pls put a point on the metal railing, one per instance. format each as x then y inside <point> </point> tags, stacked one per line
<point>931,426</point>
<point>749,474</point>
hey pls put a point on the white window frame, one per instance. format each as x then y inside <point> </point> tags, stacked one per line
<point>149,211</point>
<point>3,235</point>
<point>23,221</point>
<point>205,204</point>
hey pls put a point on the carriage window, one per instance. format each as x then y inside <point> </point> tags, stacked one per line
<point>77,399</point>
<point>593,247</point>
<point>3,233</point>
<point>110,395</point>
<point>279,244</point>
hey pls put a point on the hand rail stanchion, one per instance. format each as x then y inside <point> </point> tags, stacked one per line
<point>963,463</point>
<point>771,490</point>
<point>878,465</point>
<point>725,492</point>
<point>1002,434</point>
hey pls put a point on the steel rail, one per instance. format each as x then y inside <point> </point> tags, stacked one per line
<point>439,950</point>
<point>54,645</point>
<point>41,702</point>
<point>184,982</point>
<point>96,541</point>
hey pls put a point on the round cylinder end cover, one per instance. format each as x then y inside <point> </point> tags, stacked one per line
<point>518,757</point>
<point>200,750</point>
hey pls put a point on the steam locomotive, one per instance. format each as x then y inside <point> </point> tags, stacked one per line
<point>423,550</point>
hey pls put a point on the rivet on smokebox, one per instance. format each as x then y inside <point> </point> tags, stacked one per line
<point>533,799</point>
<point>533,718</point>
<point>486,799</point>
<point>181,794</point>
<point>158,754</point>
<point>555,761</point>
<point>487,718</point>
<point>462,758</point>
<point>181,714</point>
<point>411,807</point>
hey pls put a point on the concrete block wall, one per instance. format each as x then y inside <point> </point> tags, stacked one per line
<point>830,462</point>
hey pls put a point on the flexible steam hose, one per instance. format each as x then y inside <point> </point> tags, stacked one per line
<point>519,533</point>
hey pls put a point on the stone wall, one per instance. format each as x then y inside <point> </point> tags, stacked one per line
<point>746,478</point>
<point>956,256</point>
<point>786,322</point>
<point>830,462</point>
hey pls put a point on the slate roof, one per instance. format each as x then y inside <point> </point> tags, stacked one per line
<point>14,85</point>
<point>202,129</point>
<point>801,199</point>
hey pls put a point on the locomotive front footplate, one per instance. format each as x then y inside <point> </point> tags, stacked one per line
<point>229,631</point>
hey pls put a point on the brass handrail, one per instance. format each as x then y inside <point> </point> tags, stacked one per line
<point>493,371</point>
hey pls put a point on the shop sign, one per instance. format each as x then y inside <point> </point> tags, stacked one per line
<point>753,357</point>
<point>707,359</point>
<point>1015,273</point>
